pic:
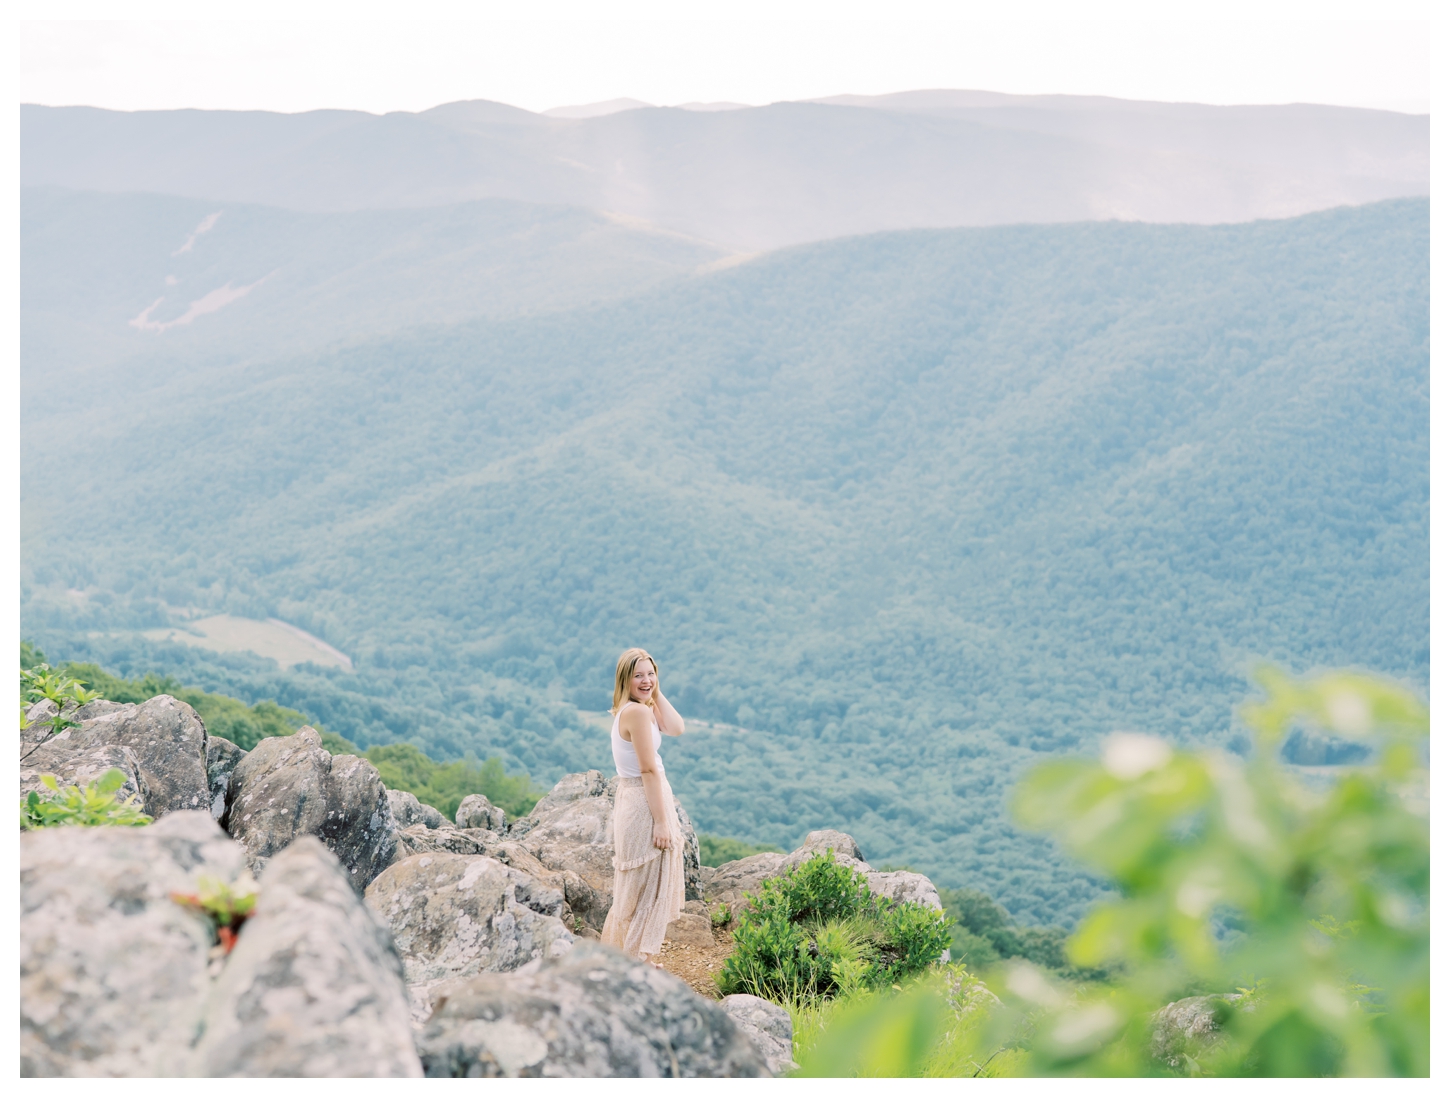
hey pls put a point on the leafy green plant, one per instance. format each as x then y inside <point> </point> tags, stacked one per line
<point>226,907</point>
<point>720,915</point>
<point>1327,889</point>
<point>818,931</point>
<point>40,682</point>
<point>94,806</point>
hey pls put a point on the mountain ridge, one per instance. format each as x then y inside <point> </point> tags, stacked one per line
<point>759,178</point>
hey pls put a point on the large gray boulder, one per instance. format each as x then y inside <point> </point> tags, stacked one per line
<point>222,757</point>
<point>167,737</point>
<point>1187,1028</point>
<point>314,987</point>
<point>591,1014</point>
<point>732,880</point>
<point>72,765</point>
<point>113,972</point>
<point>567,790</point>
<point>289,786</point>
<point>569,832</point>
<point>902,886</point>
<point>455,916</point>
<point>408,810</point>
<point>767,1026</point>
<point>477,811</point>
<point>842,847</point>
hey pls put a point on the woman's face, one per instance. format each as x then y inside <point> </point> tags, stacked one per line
<point>642,685</point>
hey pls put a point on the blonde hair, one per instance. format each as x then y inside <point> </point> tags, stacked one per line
<point>624,675</point>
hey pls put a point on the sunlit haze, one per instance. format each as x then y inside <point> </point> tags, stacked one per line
<point>382,66</point>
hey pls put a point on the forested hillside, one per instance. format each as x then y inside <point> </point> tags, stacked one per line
<point>912,508</point>
<point>126,290</point>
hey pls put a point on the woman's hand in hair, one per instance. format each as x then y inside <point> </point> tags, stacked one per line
<point>670,722</point>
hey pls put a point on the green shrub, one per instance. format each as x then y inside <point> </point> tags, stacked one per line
<point>818,931</point>
<point>717,850</point>
<point>444,785</point>
<point>94,806</point>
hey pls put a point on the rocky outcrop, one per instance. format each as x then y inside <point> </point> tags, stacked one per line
<point>289,786</point>
<point>166,735</point>
<point>844,849</point>
<point>113,973</point>
<point>902,886</point>
<point>1185,1029</point>
<point>422,839</point>
<point>592,1013</point>
<point>692,927</point>
<point>732,882</point>
<point>222,757</point>
<point>569,832</point>
<point>477,811</point>
<point>567,790</point>
<point>79,765</point>
<point>454,916</point>
<point>408,811</point>
<point>767,1027</point>
<point>314,987</point>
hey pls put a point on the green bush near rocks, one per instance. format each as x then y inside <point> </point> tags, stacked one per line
<point>819,931</point>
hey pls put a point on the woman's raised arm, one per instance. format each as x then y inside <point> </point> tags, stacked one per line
<point>670,721</point>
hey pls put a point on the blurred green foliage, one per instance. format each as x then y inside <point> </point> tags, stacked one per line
<point>1290,919</point>
<point>818,931</point>
<point>928,1026</point>
<point>1238,879</point>
<point>717,850</point>
<point>983,933</point>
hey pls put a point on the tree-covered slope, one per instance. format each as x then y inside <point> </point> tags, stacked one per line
<point>913,508</point>
<point>133,288</point>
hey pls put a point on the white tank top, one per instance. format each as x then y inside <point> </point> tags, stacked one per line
<point>626,762</point>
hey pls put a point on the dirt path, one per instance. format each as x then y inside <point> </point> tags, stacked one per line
<point>697,964</point>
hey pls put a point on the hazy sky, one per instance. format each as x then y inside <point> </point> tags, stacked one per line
<point>1264,52</point>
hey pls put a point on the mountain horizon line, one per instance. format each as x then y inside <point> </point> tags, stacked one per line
<point>604,107</point>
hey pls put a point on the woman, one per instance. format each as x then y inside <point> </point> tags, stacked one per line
<point>649,851</point>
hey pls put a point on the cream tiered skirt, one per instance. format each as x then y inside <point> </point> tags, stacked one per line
<point>649,883</point>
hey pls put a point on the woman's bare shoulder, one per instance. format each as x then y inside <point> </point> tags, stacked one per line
<point>632,712</point>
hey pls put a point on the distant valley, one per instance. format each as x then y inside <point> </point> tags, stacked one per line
<point>904,510</point>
